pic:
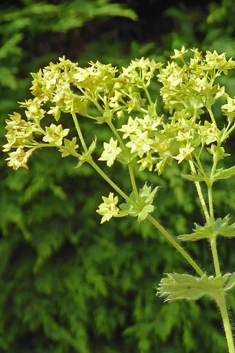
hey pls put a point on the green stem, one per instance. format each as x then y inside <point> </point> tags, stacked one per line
<point>210,200</point>
<point>227,133</point>
<point>199,191</point>
<point>211,115</point>
<point>221,302</point>
<point>95,166</point>
<point>213,238</point>
<point>176,245</point>
<point>215,161</point>
<point>149,217</point>
<point>79,132</point>
<point>215,256</point>
<point>130,165</point>
<point>111,183</point>
<point>197,163</point>
<point>116,134</point>
<point>133,183</point>
<point>147,94</point>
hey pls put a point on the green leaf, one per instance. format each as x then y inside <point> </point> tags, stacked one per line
<point>231,282</point>
<point>86,155</point>
<point>70,146</point>
<point>195,177</point>
<point>7,78</point>
<point>221,223</point>
<point>199,233</point>
<point>228,232</point>
<point>10,47</point>
<point>224,173</point>
<point>182,286</point>
<point>146,195</point>
<point>221,227</point>
<point>142,215</point>
<point>219,174</point>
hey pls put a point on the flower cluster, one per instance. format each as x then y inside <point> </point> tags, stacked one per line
<point>133,207</point>
<point>156,143</point>
<point>188,91</point>
<point>192,86</point>
<point>26,135</point>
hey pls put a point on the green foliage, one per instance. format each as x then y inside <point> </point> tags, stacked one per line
<point>58,18</point>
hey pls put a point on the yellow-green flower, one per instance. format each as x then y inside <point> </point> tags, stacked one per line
<point>215,61</point>
<point>139,143</point>
<point>108,208</point>
<point>208,132</point>
<point>129,128</point>
<point>111,150</point>
<point>55,111</point>
<point>184,152</point>
<point>19,132</point>
<point>147,162</point>
<point>55,134</point>
<point>18,158</point>
<point>179,53</point>
<point>229,109</point>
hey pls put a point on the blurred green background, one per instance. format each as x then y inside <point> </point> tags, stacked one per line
<point>67,284</point>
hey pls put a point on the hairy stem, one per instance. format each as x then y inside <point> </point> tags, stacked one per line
<point>111,183</point>
<point>150,218</point>
<point>79,132</point>
<point>176,245</point>
<point>211,208</point>
<point>133,183</point>
<point>215,256</point>
<point>130,165</point>
<point>200,195</point>
<point>212,240</point>
<point>221,302</point>
<point>116,134</point>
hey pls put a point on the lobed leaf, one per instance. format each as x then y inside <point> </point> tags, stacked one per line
<point>219,174</point>
<point>199,233</point>
<point>195,177</point>
<point>146,195</point>
<point>221,227</point>
<point>224,173</point>
<point>183,286</point>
